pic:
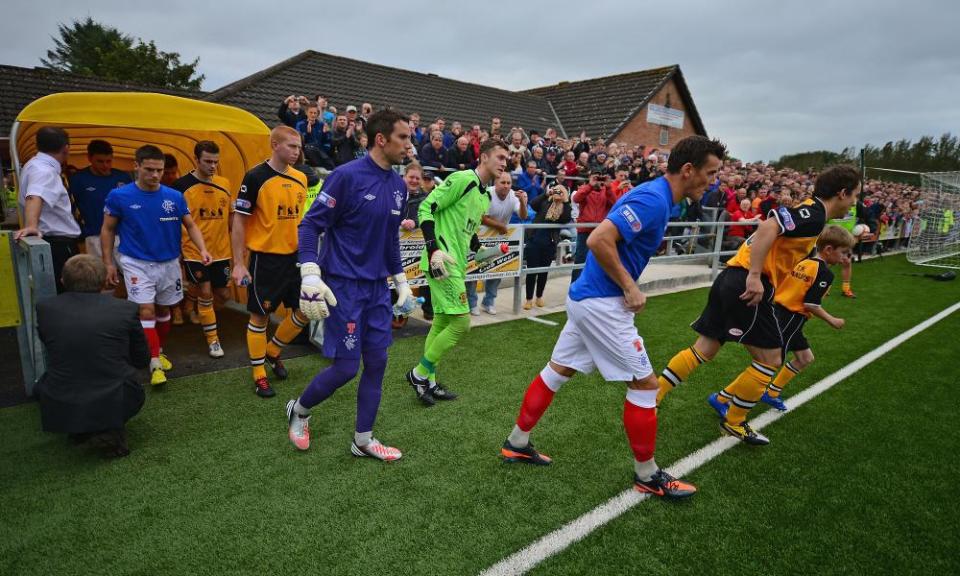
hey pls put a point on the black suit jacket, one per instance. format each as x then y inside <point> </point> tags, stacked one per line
<point>95,344</point>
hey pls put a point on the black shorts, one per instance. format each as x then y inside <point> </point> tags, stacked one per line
<point>727,318</point>
<point>791,329</point>
<point>217,273</point>
<point>274,280</point>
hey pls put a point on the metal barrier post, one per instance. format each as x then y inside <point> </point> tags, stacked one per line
<point>717,244</point>
<point>520,280</point>
<point>35,281</point>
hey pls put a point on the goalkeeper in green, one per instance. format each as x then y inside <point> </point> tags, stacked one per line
<point>449,218</point>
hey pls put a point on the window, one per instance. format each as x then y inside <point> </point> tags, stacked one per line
<point>664,136</point>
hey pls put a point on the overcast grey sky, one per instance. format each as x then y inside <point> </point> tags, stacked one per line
<point>768,77</point>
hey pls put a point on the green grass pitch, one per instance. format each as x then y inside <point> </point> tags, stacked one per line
<point>859,481</point>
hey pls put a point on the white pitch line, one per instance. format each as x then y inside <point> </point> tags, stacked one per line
<point>542,321</point>
<point>578,529</point>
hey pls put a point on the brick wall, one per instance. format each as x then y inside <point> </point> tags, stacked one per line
<point>638,131</point>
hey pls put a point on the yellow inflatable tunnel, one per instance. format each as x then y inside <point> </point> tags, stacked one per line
<point>129,120</point>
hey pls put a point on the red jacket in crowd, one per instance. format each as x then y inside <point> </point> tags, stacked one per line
<point>594,203</point>
<point>741,231</point>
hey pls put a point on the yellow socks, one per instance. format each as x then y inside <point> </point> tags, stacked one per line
<point>744,392</point>
<point>786,374</point>
<point>678,369</point>
<point>257,347</point>
<point>286,332</point>
<point>208,318</point>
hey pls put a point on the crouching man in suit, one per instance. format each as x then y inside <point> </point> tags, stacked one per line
<point>95,344</point>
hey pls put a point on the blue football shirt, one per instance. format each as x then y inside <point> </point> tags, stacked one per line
<point>641,216</point>
<point>149,226</point>
<point>89,192</point>
<point>359,210</point>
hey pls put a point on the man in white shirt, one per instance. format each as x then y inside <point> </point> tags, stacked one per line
<point>504,203</point>
<point>44,202</point>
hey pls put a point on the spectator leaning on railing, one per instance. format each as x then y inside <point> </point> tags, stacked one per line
<point>433,154</point>
<point>541,244</point>
<point>460,156</point>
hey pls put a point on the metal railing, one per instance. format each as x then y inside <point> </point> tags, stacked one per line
<point>714,238</point>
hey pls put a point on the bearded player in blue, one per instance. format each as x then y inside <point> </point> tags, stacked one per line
<point>600,333</point>
<point>344,282</point>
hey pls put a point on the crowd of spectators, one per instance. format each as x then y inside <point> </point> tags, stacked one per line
<point>594,173</point>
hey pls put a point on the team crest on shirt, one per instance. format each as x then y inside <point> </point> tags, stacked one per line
<point>630,216</point>
<point>168,206</point>
<point>786,218</point>
<point>134,279</point>
<point>398,197</point>
<point>350,341</point>
<point>351,327</point>
<point>638,345</point>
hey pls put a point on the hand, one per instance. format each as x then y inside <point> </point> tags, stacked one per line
<point>634,300</point>
<point>438,264</point>
<point>315,296</point>
<point>408,224</point>
<point>405,297</point>
<point>113,277</point>
<point>240,275</point>
<point>522,197</point>
<point>754,290</point>
<point>205,257</point>
<point>501,228</point>
<point>28,231</point>
<point>837,323</point>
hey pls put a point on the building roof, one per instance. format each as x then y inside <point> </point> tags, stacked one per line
<point>603,106</point>
<point>346,81</point>
<point>21,86</point>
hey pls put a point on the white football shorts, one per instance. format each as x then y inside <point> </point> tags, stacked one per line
<point>152,282</point>
<point>600,335</point>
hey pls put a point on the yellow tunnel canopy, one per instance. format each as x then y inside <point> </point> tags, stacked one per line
<point>129,120</point>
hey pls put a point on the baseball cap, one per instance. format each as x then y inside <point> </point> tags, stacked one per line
<point>351,108</point>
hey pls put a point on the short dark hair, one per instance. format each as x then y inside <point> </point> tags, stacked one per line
<point>148,152</point>
<point>694,150</point>
<point>382,122</point>
<point>491,143</point>
<point>51,139</point>
<point>834,179</point>
<point>99,147</point>
<point>84,273</point>
<point>208,146</point>
<point>170,161</point>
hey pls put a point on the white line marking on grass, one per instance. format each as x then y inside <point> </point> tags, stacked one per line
<point>542,321</point>
<point>561,538</point>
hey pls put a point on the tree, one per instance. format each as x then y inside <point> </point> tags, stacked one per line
<point>92,49</point>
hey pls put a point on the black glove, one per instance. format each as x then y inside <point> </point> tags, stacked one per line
<point>475,243</point>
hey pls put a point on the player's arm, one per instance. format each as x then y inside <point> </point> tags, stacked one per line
<point>813,299</point>
<point>603,243</point>
<point>405,297</point>
<point>760,246</point>
<point>315,296</point>
<point>193,231</point>
<point>238,243</point>
<point>108,234</point>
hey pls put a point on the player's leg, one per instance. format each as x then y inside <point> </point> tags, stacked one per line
<point>369,392</point>
<point>148,319</point>
<point>343,339</point>
<point>640,424</point>
<point>773,396</point>
<point>536,400</point>
<point>208,319</point>
<point>169,292</point>
<point>745,391</point>
<point>685,362</point>
<point>257,351</point>
<point>846,268</point>
<point>450,329</point>
<point>291,326</point>
<point>712,328</point>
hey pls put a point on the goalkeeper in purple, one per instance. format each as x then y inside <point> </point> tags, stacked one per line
<point>344,281</point>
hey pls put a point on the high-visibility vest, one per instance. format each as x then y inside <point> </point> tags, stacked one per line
<point>848,221</point>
